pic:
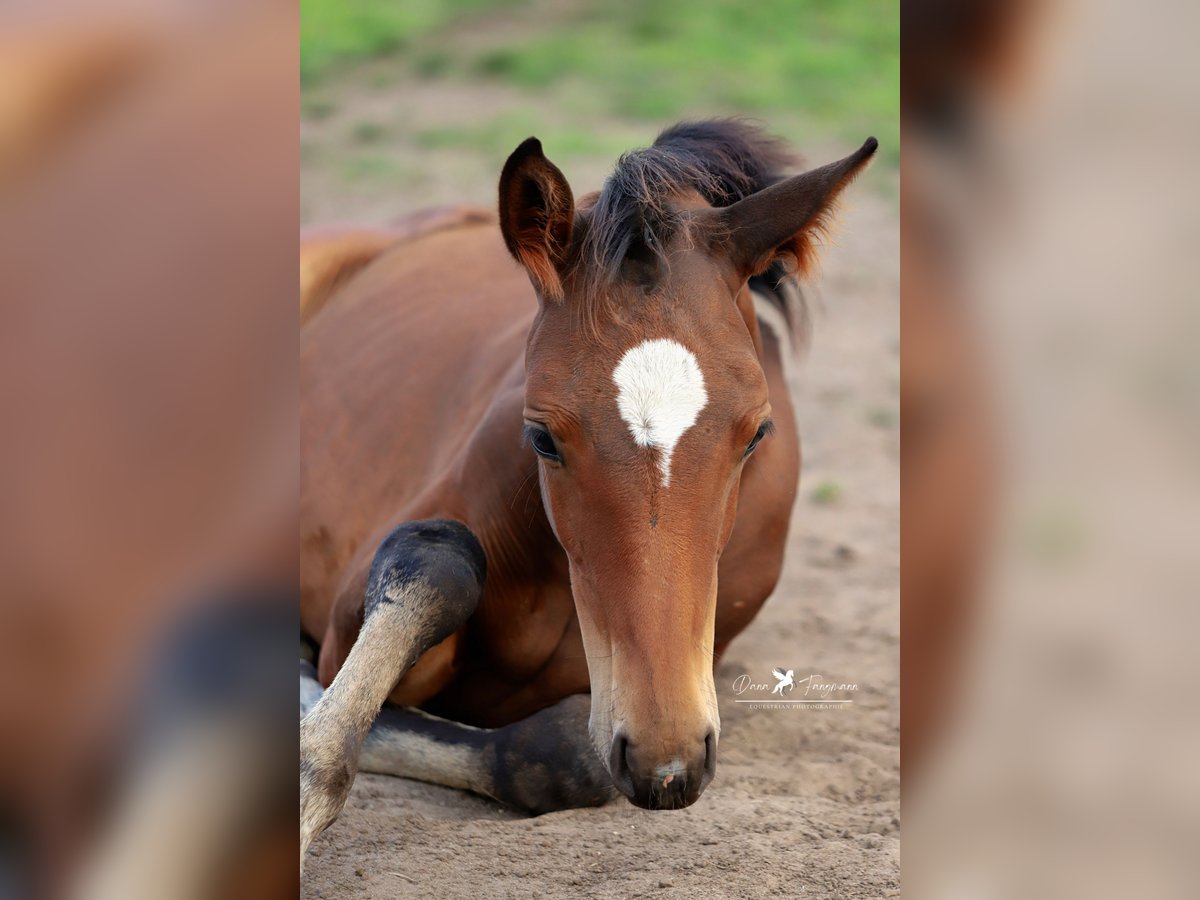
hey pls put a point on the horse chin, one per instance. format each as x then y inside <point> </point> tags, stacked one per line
<point>657,803</point>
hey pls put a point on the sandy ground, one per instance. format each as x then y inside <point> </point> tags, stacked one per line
<point>805,802</point>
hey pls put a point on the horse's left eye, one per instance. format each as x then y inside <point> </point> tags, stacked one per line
<point>763,430</point>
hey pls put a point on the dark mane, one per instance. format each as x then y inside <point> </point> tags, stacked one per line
<point>724,160</point>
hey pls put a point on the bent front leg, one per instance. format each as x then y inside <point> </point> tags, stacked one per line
<point>540,764</point>
<point>425,582</point>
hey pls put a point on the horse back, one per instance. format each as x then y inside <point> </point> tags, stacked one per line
<point>329,257</point>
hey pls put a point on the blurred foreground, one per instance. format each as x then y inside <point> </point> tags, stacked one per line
<point>1050,330</point>
<point>148,170</point>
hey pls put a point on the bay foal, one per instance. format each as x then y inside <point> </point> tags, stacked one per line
<point>535,519</point>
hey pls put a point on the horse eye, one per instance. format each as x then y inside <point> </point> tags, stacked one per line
<point>763,430</point>
<point>543,444</point>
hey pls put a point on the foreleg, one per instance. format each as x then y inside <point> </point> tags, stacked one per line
<point>425,582</point>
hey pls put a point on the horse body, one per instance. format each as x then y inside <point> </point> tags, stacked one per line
<point>399,426</point>
<point>444,441</point>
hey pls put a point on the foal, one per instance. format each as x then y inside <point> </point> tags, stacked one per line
<point>636,533</point>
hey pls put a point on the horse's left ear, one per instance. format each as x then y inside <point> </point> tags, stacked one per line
<point>537,213</point>
<point>787,218</point>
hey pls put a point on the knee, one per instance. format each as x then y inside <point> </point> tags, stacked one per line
<point>438,561</point>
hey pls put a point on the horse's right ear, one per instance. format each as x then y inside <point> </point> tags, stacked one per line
<point>537,213</point>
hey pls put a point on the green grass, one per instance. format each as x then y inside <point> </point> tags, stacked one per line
<point>334,33</point>
<point>658,59</point>
<point>315,106</point>
<point>1055,535</point>
<point>495,137</point>
<point>827,493</point>
<point>883,417</point>
<point>368,133</point>
<point>800,65</point>
<point>372,169</point>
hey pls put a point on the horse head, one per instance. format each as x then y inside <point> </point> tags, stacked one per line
<point>645,399</point>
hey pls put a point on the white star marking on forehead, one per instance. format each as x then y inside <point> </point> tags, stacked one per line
<point>660,392</point>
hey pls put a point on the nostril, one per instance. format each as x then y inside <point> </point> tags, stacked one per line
<point>618,764</point>
<point>710,753</point>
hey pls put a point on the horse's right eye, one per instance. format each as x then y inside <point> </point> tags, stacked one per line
<point>543,444</point>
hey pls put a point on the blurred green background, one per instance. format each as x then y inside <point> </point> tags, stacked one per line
<point>409,103</point>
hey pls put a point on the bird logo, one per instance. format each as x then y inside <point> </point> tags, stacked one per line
<point>786,680</point>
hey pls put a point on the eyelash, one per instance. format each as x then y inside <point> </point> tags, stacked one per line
<point>765,429</point>
<point>531,434</point>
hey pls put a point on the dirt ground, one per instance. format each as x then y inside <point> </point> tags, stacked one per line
<point>806,800</point>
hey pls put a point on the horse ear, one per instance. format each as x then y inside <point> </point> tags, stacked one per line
<point>537,213</point>
<point>788,218</point>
